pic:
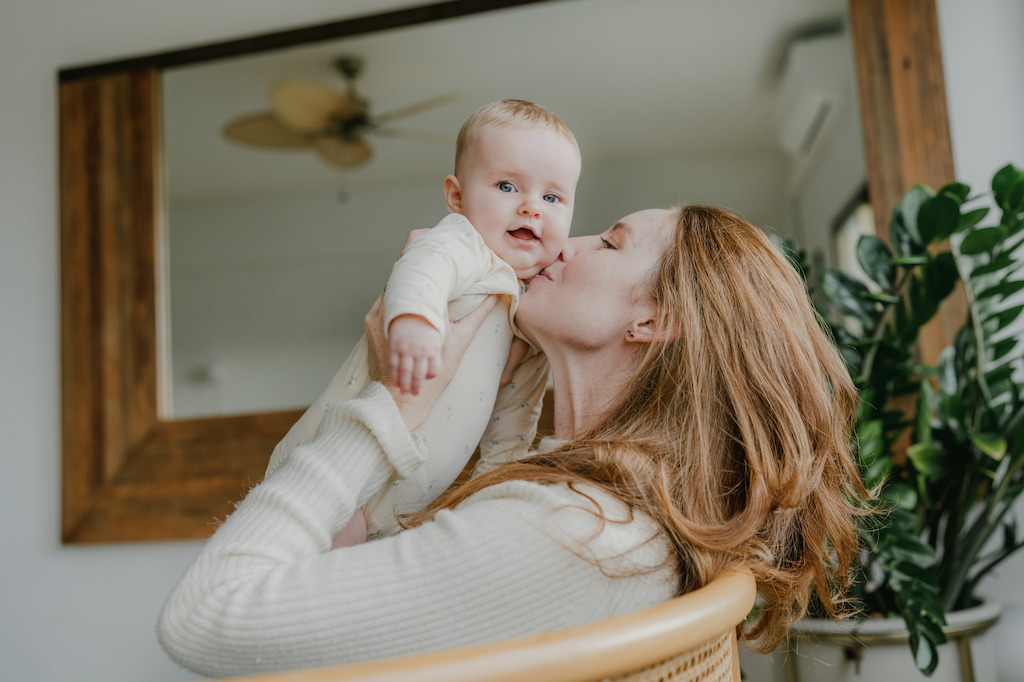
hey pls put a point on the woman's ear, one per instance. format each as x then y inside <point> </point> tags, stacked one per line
<point>645,330</point>
<point>453,194</point>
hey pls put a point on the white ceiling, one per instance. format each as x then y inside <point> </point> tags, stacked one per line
<point>633,79</point>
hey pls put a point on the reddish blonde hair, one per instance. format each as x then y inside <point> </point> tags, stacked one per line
<point>513,113</point>
<point>735,432</point>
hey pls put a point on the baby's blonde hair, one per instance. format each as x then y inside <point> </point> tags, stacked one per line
<point>514,113</point>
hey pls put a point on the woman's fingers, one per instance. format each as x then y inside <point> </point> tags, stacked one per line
<point>377,353</point>
<point>516,353</point>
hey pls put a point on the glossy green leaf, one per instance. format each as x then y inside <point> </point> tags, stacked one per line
<point>1002,289</point>
<point>971,218</point>
<point>906,547</point>
<point>923,432</point>
<point>903,222</point>
<point>999,375</point>
<point>877,471</point>
<point>929,459</point>
<point>957,190</point>
<point>937,218</point>
<point>982,240</point>
<point>870,440</point>
<point>1005,317</point>
<point>901,495</point>
<point>874,257</point>
<point>1008,187</point>
<point>940,275</point>
<point>923,303</point>
<point>1003,260</point>
<point>926,654</point>
<point>849,295</point>
<point>1002,347</point>
<point>992,445</point>
<point>913,575</point>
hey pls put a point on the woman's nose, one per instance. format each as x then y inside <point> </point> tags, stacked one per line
<point>569,249</point>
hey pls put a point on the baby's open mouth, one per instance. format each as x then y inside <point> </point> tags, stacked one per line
<point>524,233</point>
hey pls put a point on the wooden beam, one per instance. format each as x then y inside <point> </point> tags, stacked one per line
<point>902,92</point>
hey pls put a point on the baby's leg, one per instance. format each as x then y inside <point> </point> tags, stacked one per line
<point>354,532</point>
<point>453,428</point>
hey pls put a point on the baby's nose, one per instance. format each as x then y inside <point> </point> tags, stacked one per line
<point>530,208</point>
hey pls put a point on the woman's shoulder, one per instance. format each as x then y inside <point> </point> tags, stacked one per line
<point>584,519</point>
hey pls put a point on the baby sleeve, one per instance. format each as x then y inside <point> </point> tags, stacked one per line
<point>435,268</point>
<point>512,427</point>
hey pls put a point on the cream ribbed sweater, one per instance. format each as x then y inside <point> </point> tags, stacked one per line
<point>267,594</point>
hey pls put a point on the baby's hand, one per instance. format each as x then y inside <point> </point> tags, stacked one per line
<point>415,350</point>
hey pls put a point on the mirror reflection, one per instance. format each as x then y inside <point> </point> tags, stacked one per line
<point>274,255</point>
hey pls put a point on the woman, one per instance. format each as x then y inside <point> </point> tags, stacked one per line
<point>702,419</point>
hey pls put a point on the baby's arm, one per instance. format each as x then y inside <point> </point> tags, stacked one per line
<point>414,350</point>
<point>434,268</point>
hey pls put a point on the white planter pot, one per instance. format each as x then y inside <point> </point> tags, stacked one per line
<point>876,649</point>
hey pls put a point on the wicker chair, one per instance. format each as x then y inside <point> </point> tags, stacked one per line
<point>690,638</point>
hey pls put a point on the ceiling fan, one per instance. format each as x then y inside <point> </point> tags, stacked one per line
<point>309,115</point>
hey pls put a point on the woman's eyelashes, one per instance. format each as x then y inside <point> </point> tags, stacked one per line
<point>608,245</point>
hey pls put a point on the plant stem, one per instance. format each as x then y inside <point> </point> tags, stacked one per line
<point>975,321</point>
<point>972,584</point>
<point>978,535</point>
<point>876,337</point>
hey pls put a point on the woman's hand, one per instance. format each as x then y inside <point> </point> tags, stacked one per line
<point>415,408</point>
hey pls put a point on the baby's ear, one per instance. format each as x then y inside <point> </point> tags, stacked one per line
<point>453,194</point>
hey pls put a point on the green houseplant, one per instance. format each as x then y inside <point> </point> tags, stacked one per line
<point>943,444</point>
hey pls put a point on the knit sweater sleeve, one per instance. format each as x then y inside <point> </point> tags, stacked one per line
<point>266,593</point>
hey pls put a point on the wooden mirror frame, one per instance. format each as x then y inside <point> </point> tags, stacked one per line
<point>128,474</point>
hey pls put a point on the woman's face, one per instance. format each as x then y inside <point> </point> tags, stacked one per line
<point>592,293</point>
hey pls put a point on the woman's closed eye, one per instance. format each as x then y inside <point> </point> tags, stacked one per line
<point>608,245</point>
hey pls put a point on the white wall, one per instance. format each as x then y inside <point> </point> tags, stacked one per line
<point>984,55</point>
<point>268,293</point>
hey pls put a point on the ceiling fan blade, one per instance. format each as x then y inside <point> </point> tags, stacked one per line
<point>417,108</point>
<point>309,107</point>
<point>344,153</point>
<point>415,135</point>
<point>264,130</point>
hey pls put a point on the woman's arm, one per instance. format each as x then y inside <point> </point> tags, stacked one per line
<point>516,558</point>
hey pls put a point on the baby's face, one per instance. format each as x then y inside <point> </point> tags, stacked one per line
<point>517,186</point>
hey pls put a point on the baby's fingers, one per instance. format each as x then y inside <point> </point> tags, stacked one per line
<point>401,372</point>
<point>433,366</point>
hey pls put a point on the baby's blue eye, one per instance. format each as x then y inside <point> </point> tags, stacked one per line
<point>505,186</point>
<point>552,198</point>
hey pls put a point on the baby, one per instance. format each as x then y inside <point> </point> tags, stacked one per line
<point>511,203</point>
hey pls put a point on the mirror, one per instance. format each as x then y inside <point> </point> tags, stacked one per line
<point>137,465</point>
<point>276,255</point>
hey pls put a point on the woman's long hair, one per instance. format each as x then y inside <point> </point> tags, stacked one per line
<point>735,432</point>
